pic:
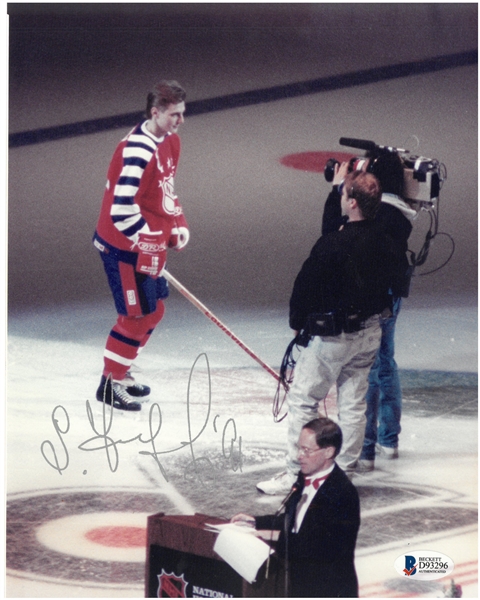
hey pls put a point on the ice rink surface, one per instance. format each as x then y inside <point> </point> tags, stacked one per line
<point>211,407</point>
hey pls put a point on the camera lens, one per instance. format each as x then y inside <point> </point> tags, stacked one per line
<point>329,170</point>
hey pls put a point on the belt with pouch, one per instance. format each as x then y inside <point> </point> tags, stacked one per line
<point>335,322</point>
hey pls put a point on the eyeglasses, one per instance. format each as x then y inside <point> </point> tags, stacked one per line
<point>302,451</point>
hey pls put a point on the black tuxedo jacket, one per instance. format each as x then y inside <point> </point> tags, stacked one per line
<point>321,554</point>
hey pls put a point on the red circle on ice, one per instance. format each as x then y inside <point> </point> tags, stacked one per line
<point>118,536</point>
<point>313,161</point>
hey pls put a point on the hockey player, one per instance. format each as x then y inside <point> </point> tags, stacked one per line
<point>139,219</point>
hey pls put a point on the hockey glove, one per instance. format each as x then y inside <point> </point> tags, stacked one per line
<point>152,254</point>
<point>180,234</point>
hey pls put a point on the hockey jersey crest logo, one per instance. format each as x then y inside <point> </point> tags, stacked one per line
<point>171,586</point>
<point>168,200</point>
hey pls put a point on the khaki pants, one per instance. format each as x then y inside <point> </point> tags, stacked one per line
<point>346,360</point>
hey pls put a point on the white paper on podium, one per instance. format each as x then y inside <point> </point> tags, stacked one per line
<point>243,551</point>
<point>239,526</point>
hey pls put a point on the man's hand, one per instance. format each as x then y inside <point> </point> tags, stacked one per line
<point>242,519</point>
<point>340,172</point>
<point>180,233</point>
<point>179,238</point>
<point>152,254</point>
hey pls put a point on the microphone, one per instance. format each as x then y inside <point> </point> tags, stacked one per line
<point>295,488</point>
<point>360,144</point>
<point>369,145</point>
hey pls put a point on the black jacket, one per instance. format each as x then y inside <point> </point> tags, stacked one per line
<point>351,270</point>
<point>392,221</point>
<point>321,554</point>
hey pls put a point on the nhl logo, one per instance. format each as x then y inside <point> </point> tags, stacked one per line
<point>171,586</point>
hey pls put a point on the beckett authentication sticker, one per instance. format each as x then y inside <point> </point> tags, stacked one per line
<point>424,564</point>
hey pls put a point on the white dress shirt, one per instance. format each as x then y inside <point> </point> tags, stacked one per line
<point>307,496</point>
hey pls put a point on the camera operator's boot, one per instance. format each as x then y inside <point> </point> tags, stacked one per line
<point>279,484</point>
<point>386,452</point>
<point>364,466</point>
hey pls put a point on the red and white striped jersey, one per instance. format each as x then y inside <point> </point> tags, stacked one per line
<point>139,195</point>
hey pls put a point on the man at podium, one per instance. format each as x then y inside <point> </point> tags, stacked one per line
<point>319,526</point>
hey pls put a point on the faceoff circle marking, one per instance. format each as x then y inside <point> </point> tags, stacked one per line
<point>112,536</point>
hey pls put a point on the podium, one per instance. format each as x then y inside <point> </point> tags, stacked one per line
<point>181,563</point>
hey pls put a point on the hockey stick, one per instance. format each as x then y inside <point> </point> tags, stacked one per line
<point>202,308</point>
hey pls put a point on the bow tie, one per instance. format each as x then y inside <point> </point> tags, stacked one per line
<point>315,482</point>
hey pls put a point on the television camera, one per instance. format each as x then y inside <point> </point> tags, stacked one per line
<point>421,180</point>
<point>422,177</point>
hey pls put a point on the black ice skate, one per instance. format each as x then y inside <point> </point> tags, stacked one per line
<point>133,388</point>
<point>115,394</point>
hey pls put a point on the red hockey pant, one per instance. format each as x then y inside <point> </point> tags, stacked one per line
<point>128,336</point>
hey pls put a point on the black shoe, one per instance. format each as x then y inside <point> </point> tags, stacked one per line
<point>115,394</point>
<point>133,388</point>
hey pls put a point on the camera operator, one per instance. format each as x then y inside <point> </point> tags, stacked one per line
<point>395,215</point>
<point>337,299</point>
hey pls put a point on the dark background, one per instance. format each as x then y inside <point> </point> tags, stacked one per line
<point>253,221</point>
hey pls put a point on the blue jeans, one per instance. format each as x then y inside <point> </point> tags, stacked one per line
<point>384,395</point>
